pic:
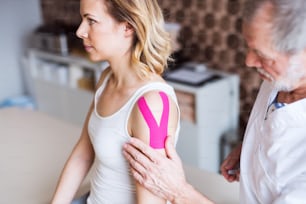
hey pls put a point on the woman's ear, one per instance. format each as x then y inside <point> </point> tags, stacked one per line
<point>129,30</point>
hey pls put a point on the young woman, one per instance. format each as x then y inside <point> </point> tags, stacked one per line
<point>131,100</point>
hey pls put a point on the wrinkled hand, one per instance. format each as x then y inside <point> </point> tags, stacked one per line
<point>232,163</point>
<point>161,175</point>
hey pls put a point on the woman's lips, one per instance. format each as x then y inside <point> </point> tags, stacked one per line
<point>88,48</point>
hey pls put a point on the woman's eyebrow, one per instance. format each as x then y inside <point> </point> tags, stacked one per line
<point>88,15</point>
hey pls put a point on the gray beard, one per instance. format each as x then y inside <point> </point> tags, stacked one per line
<point>294,74</point>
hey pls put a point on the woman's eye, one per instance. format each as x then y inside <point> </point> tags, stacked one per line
<point>91,21</point>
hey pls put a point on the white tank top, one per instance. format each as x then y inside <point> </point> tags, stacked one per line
<point>111,181</point>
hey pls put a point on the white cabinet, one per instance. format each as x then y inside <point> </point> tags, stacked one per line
<point>212,109</point>
<point>62,84</point>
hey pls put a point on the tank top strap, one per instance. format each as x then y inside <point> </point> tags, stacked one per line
<point>155,86</point>
<point>101,88</point>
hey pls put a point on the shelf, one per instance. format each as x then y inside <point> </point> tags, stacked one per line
<point>69,59</point>
<point>63,85</point>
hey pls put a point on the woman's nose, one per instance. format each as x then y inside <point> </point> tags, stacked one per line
<point>82,32</point>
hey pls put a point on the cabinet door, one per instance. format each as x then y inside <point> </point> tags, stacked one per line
<point>62,102</point>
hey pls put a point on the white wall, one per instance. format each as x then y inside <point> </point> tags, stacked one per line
<point>18,18</point>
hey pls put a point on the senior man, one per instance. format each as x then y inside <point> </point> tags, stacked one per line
<point>272,156</point>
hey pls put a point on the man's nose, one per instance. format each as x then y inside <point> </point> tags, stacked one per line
<point>252,60</point>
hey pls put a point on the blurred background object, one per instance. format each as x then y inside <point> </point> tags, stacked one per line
<point>18,20</point>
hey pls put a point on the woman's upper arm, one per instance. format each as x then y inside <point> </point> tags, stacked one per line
<point>152,106</point>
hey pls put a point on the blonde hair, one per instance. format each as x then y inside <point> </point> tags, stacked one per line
<point>152,46</point>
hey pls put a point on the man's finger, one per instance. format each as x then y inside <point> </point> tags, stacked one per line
<point>170,150</point>
<point>133,154</point>
<point>144,149</point>
<point>135,164</point>
<point>137,176</point>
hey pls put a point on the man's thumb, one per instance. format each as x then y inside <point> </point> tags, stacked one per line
<point>170,150</point>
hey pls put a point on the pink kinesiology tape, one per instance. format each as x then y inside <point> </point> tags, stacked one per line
<point>158,133</point>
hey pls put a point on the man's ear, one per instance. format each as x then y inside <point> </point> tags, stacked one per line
<point>129,30</point>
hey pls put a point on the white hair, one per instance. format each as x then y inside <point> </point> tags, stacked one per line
<point>288,22</point>
<point>295,72</point>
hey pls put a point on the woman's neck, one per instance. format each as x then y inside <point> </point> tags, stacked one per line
<point>123,75</point>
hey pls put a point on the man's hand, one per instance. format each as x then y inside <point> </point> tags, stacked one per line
<point>230,166</point>
<point>163,176</point>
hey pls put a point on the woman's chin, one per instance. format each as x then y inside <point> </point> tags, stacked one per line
<point>94,58</point>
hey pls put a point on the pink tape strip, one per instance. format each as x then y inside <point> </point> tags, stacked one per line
<point>158,133</point>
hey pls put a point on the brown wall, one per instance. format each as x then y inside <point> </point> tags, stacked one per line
<point>211,33</point>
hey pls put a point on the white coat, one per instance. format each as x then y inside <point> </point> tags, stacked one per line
<point>273,157</point>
